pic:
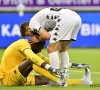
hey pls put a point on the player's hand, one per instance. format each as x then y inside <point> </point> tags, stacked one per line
<point>34,39</point>
<point>56,72</point>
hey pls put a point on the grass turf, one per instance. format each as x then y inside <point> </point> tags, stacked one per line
<point>90,56</point>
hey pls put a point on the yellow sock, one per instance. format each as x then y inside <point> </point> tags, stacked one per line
<point>45,73</point>
<point>74,82</point>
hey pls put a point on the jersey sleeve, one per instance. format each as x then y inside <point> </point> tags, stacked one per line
<point>46,59</point>
<point>25,48</point>
<point>24,45</point>
<point>34,24</point>
<point>33,57</point>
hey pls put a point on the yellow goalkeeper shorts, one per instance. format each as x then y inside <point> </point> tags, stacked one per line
<point>15,78</point>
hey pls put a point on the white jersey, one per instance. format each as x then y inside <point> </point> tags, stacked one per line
<point>47,18</point>
<point>63,24</point>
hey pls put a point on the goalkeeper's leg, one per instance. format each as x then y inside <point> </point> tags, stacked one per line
<point>27,66</point>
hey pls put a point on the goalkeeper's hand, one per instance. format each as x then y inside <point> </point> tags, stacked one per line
<point>56,72</point>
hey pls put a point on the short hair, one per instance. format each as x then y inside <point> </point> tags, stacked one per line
<point>37,47</point>
<point>23,28</point>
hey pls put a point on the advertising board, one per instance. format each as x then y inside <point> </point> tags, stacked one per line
<point>33,5</point>
<point>88,36</point>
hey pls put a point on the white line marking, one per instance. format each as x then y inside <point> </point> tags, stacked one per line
<point>84,71</point>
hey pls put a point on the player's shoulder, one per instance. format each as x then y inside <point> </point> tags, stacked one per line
<point>22,42</point>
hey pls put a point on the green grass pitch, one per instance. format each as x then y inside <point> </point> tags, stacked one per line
<point>90,56</point>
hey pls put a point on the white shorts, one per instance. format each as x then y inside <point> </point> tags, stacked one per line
<point>66,28</point>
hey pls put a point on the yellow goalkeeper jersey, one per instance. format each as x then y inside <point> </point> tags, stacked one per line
<point>15,54</point>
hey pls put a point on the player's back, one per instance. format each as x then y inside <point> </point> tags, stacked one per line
<point>47,18</point>
<point>43,19</point>
<point>13,55</point>
<point>52,11</point>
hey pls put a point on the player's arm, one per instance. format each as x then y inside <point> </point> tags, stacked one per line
<point>44,34</point>
<point>27,50</point>
<point>46,59</point>
<point>37,60</point>
<point>36,27</point>
<point>33,57</point>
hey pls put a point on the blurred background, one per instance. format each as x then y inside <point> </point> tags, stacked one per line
<point>14,12</point>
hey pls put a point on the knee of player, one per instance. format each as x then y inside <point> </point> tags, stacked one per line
<point>63,49</point>
<point>50,49</point>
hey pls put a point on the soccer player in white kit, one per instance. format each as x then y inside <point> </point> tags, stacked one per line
<point>60,26</point>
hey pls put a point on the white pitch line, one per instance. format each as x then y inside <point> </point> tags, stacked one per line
<point>84,71</point>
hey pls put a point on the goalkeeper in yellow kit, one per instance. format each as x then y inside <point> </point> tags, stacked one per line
<point>15,66</point>
<point>19,59</point>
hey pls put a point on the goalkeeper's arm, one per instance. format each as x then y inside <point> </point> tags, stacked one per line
<point>46,59</point>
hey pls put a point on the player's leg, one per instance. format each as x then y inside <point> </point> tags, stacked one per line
<point>41,80</point>
<point>53,54</point>
<point>78,65</point>
<point>25,67</point>
<point>14,78</point>
<point>20,76</point>
<point>47,74</point>
<point>86,80</point>
<point>69,28</point>
<point>61,34</point>
<point>64,53</point>
<point>54,58</point>
<point>17,76</point>
<point>33,80</point>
